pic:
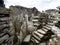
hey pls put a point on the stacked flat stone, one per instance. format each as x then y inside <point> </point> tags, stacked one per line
<point>4,27</point>
<point>5,30</point>
<point>42,35</point>
<point>35,20</point>
<point>4,22</point>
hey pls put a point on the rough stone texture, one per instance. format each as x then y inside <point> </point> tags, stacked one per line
<point>20,14</point>
<point>4,24</point>
<point>20,26</point>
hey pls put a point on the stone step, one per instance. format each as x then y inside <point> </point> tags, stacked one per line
<point>35,24</point>
<point>41,31</point>
<point>38,34</point>
<point>44,29</point>
<point>50,23</point>
<point>37,37</point>
<point>35,16</point>
<point>48,28</point>
<point>35,20</point>
<point>35,40</point>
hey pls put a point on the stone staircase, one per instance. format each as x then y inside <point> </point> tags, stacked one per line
<point>35,20</point>
<point>37,35</point>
